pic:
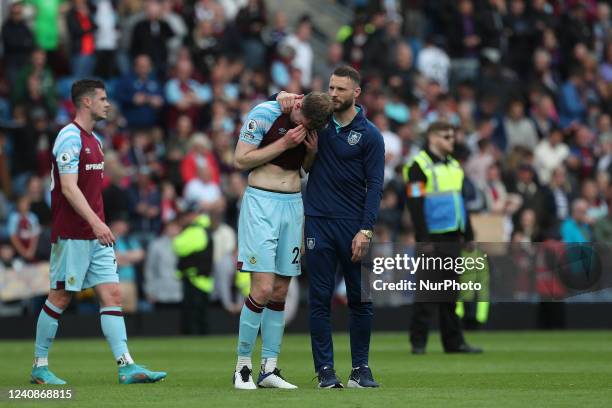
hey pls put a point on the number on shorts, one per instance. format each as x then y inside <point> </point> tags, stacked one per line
<point>296,252</point>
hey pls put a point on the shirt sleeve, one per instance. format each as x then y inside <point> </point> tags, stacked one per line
<point>374,159</point>
<point>12,222</point>
<point>415,190</point>
<point>258,122</point>
<point>66,150</point>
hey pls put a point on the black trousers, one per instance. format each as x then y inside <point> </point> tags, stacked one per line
<point>194,319</point>
<point>444,302</point>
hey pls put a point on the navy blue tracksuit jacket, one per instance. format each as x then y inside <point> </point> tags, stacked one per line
<point>342,197</point>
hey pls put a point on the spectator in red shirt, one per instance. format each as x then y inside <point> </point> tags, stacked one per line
<point>200,154</point>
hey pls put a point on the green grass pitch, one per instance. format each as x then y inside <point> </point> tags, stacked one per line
<point>523,369</point>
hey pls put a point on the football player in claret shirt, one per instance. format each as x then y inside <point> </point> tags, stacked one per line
<point>82,254</point>
<point>273,146</point>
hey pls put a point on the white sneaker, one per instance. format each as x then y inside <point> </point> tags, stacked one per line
<point>274,379</point>
<point>243,380</point>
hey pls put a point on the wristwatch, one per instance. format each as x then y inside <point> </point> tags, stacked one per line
<point>367,233</point>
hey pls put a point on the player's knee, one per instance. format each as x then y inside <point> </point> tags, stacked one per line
<point>262,293</point>
<point>279,294</point>
<point>111,296</point>
<point>60,299</point>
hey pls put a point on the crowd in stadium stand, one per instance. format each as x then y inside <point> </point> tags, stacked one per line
<point>528,84</point>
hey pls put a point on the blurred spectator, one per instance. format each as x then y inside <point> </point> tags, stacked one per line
<point>199,155</point>
<point>107,38</point>
<point>602,29</point>
<point>464,36</point>
<point>17,41</point>
<point>576,229</point>
<point>172,12</point>
<point>5,170</point>
<point>280,72</point>
<point>582,156</point>
<point>235,191</point>
<point>150,36</point>
<point>128,253</point>
<point>161,285</point>
<point>185,95</point>
<point>141,95</point>
<point>518,129</point>
<point>498,200</point>
<point>605,69</point>
<point>224,264</point>
<point>35,84</point>
<point>81,28</point>
<point>527,226</point>
<point>401,71</point>
<point>479,163</point>
<point>31,149</point>
<point>605,161</point>
<point>544,115</point>
<point>543,74</point>
<point>144,198</point>
<point>521,37</point>
<point>251,20</point>
<point>393,145</point>
<point>384,41</point>
<point>333,61</point>
<point>602,229</point>
<point>205,46</point>
<point>24,229</point>
<point>434,63</point>
<point>169,207</point>
<point>491,22</point>
<point>203,192</point>
<point>300,42</point>
<point>46,27</point>
<point>276,33</point>
<point>597,207</point>
<point>39,203</point>
<point>549,154</point>
<point>561,190</point>
<point>572,105</point>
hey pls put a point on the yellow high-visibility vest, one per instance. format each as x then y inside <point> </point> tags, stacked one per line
<point>444,205</point>
<point>192,239</point>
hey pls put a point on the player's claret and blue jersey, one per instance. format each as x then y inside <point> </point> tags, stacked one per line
<point>78,152</point>
<point>264,125</point>
<point>346,179</point>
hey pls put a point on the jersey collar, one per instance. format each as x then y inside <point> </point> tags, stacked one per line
<point>358,115</point>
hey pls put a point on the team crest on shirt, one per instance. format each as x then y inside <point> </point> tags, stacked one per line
<point>310,243</point>
<point>353,138</point>
<point>87,150</point>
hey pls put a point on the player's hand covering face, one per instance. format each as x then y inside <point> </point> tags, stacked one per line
<point>312,142</point>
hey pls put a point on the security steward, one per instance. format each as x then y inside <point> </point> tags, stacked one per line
<point>194,250</point>
<point>434,188</point>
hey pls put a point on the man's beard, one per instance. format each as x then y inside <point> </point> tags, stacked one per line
<point>345,105</point>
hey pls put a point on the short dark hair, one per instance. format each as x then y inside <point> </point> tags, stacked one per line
<point>317,108</point>
<point>84,87</point>
<point>348,71</point>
